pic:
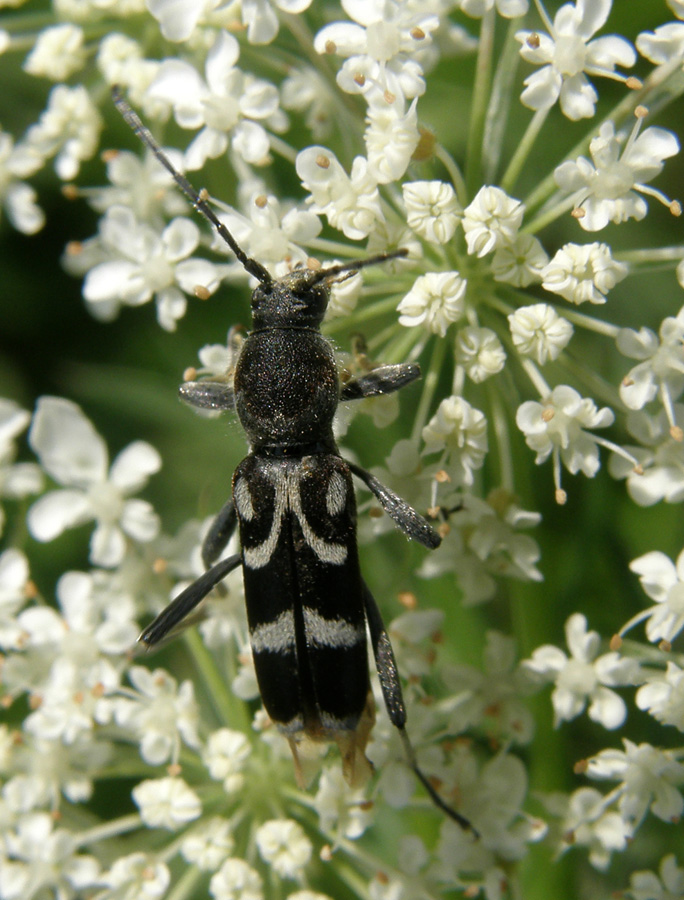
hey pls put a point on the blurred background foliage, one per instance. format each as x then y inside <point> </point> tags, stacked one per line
<point>125,375</point>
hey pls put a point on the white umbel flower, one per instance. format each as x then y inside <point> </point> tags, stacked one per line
<point>557,427</point>
<point>432,210</point>
<point>584,677</point>
<point>538,331</point>
<point>492,220</point>
<point>608,188</point>
<point>436,300</point>
<point>141,264</point>
<point>69,129</point>
<point>74,454</point>
<point>663,696</point>
<point>648,779</point>
<point>17,198</point>
<point>480,352</point>
<point>379,46</point>
<point>460,431</point>
<point>137,876</point>
<point>520,262</point>
<point>567,53</point>
<point>236,880</point>
<point>284,846</point>
<point>663,581</point>
<point>583,273</point>
<point>391,136</point>
<point>509,9</point>
<point>58,52</point>
<point>350,202</point>
<point>166,803</point>
<point>228,103</point>
<point>661,368</point>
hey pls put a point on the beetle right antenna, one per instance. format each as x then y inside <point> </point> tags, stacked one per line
<point>198,199</point>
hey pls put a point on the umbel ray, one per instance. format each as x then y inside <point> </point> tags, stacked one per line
<point>293,501</point>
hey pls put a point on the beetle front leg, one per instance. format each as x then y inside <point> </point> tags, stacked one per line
<point>215,395</point>
<point>219,533</point>
<point>383,380</point>
<point>187,600</point>
<point>411,523</point>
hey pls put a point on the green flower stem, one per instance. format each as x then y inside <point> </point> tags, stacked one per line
<point>282,148</point>
<point>553,212</point>
<point>500,420</point>
<point>228,708</point>
<point>500,103</point>
<point>589,323</point>
<point>524,148</point>
<point>187,884</point>
<point>430,381</point>
<point>454,172</point>
<point>362,315</point>
<point>597,386</point>
<point>650,255</point>
<point>112,829</point>
<point>536,377</point>
<point>478,113</point>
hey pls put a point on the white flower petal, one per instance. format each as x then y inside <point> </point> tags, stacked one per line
<point>69,448</point>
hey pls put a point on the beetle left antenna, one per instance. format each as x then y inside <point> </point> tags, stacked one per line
<point>198,199</point>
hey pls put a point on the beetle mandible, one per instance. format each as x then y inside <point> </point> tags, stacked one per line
<point>294,505</point>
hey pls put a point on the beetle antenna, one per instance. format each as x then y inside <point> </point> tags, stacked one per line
<point>198,199</point>
<point>355,264</point>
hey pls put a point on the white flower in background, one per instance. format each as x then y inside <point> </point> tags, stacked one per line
<point>538,331</point>
<point>16,479</point>
<point>236,880</point>
<point>179,18</point>
<point>209,844</point>
<point>69,129</point>
<point>557,427</point>
<point>350,202</point>
<point>509,9</point>
<point>225,756</point>
<point>583,272</point>
<point>284,846</point>
<point>379,49</point>
<point>137,875</point>
<point>436,300</point>
<point>74,455</point>
<point>271,232</point>
<point>306,91</point>
<point>391,136</point>
<point>141,263</point>
<point>661,370</point>
<point>166,803</point>
<point>14,573</point>
<point>664,44</point>
<point>261,18</point>
<point>663,581</point>
<point>659,473</point>
<point>494,696</point>
<point>587,823</point>
<point>648,886</point>
<point>225,105</point>
<point>608,188</point>
<point>58,52</point>
<point>159,714</point>
<point>663,696</point>
<point>567,53</point>
<point>648,779</point>
<point>121,61</point>
<point>480,352</point>
<point>460,431</point>
<point>142,185</point>
<point>39,858</point>
<point>18,198</point>
<point>492,220</point>
<point>432,209</point>
<point>584,677</point>
<point>341,809</point>
<point>520,262</point>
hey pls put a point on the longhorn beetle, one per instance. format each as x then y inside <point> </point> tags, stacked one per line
<point>293,501</point>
